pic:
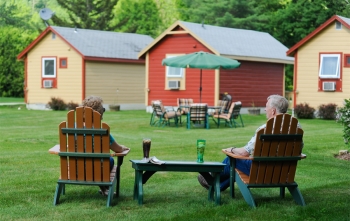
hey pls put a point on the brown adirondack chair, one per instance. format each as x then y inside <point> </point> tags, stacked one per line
<point>84,152</point>
<point>274,161</point>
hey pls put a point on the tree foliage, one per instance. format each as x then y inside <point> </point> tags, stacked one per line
<point>138,16</point>
<point>87,14</point>
<point>12,42</point>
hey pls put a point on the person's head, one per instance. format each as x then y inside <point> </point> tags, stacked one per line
<point>276,104</point>
<point>95,103</point>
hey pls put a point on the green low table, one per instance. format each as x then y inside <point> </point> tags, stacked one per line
<point>143,171</point>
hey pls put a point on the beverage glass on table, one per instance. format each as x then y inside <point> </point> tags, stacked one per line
<point>200,150</point>
<point>146,146</point>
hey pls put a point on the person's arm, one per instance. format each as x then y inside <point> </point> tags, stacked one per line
<point>239,151</point>
<point>117,147</point>
<point>113,145</point>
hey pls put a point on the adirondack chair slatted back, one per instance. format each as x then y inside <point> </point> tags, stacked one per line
<point>277,150</point>
<point>84,147</point>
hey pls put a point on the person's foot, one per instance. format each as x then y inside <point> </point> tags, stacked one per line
<point>203,182</point>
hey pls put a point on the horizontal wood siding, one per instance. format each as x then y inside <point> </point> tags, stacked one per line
<point>104,79</point>
<point>328,40</point>
<point>69,80</point>
<point>178,44</point>
<point>253,82</point>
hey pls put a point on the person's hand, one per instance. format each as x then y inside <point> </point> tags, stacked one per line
<point>230,149</point>
<point>124,148</point>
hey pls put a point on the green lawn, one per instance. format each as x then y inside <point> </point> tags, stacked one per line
<point>28,173</point>
<point>11,100</point>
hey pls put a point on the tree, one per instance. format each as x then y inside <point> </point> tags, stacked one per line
<point>138,16</point>
<point>12,42</point>
<point>299,18</point>
<point>87,14</point>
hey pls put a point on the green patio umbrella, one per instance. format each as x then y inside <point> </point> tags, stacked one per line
<point>201,60</point>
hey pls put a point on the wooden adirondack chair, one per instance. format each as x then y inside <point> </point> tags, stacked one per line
<point>84,152</point>
<point>274,161</point>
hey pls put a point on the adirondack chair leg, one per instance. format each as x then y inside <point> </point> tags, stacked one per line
<point>232,176</point>
<point>241,120</point>
<point>58,192</point>
<point>247,195</point>
<point>294,190</point>
<point>282,191</point>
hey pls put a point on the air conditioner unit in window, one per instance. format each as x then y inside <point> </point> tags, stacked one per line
<point>48,83</point>
<point>329,86</point>
<point>174,84</point>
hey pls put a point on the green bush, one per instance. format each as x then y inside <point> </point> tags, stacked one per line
<point>71,105</point>
<point>343,116</point>
<point>327,111</point>
<point>57,104</point>
<point>304,111</point>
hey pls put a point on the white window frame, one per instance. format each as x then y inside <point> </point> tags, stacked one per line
<point>43,69</point>
<point>333,69</point>
<point>173,72</point>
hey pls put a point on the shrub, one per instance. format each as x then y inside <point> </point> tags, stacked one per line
<point>57,104</point>
<point>71,105</point>
<point>327,111</point>
<point>343,116</point>
<point>304,111</point>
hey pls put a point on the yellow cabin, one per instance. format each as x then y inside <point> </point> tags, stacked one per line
<point>71,63</point>
<point>322,64</point>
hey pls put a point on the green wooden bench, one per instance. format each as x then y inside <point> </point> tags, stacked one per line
<point>143,171</point>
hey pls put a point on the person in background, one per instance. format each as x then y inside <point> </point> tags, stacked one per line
<point>275,104</point>
<point>96,103</point>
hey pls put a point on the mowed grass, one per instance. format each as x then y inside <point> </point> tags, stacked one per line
<point>28,173</point>
<point>11,100</point>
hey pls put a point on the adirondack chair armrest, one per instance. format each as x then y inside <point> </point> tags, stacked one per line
<point>124,153</point>
<point>236,155</point>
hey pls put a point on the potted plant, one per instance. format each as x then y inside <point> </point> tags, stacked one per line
<point>254,110</point>
<point>115,106</point>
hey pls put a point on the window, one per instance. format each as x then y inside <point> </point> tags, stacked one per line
<point>329,66</point>
<point>63,62</point>
<point>174,72</point>
<point>346,60</point>
<point>49,67</point>
<point>337,25</point>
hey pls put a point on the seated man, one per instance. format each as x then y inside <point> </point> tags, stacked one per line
<point>275,104</point>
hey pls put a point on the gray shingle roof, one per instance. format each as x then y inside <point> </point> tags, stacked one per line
<point>347,20</point>
<point>239,42</point>
<point>104,44</point>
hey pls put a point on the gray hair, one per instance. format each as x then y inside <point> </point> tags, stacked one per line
<point>280,103</point>
<point>94,102</point>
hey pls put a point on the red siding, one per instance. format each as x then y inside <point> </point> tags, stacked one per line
<point>178,44</point>
<point>252,81</point>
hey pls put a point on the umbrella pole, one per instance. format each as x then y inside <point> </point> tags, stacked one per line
<point>200,87</point>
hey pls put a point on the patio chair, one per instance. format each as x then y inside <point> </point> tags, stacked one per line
<point>274,161</point>
<point>84,152</point>
<point>225,116</point>
<point>154,117</point>
<point>183,107</point>
<point>164,115</point>
<point>222,104</point>
<point>198,116</point>
<point>236,113</point>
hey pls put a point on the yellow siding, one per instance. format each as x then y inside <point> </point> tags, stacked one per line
<point>104,79</point>
<point>328,40</point>
<point>69,80</point>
